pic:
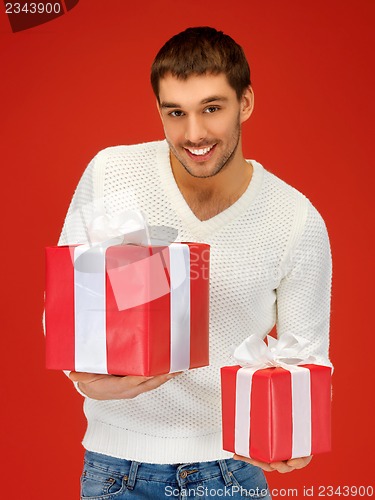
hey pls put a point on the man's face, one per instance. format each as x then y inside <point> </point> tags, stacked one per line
<point>202,122</point>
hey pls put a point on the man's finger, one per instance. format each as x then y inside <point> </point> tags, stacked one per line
<point>86,378</point>
<point>150,384</point>
<point>281,467</point>
<point>130,381</point>
<point>257,463</point>
<point>299,463</point>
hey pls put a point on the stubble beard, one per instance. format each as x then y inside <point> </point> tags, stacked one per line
<point>222,162</point>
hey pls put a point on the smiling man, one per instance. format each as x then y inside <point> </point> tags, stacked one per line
<point>270,263</point>
<point>202,119</point>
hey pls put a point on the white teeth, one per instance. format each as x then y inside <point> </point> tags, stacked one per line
<point>200,152</point>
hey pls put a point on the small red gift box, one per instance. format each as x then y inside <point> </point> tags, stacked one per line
<point>127,309</point>
<point>275,414</point>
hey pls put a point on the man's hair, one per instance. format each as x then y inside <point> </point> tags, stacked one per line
<point>199,51</point>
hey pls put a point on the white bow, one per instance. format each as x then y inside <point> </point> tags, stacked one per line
<point>128,227</point>
<point>254,352</point>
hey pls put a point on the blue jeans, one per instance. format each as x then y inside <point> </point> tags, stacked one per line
<point>107,478</point>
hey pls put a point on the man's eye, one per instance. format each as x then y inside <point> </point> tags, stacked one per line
<point>176,113</point>
<point>211,109</point>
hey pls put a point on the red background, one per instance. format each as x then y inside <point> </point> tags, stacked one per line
<point>80,83</point>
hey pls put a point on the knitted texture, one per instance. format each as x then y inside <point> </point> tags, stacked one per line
<point>270,264</point>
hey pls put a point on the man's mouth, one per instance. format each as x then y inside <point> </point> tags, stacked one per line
<point>200,154</point>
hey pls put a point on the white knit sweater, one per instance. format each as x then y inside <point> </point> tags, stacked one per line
<point>270,263</point>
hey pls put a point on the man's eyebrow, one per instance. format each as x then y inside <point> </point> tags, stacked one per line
<point>207,100</point>
<point>169,105</point>
<point>214,98</point>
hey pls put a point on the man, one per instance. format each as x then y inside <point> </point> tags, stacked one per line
<point>270,262</point>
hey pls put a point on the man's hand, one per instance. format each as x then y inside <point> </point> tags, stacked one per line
<point>105,387</point>
<point>286,466</point>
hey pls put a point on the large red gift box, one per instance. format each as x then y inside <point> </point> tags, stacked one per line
<point>275,414</point>
<point>127,309</point>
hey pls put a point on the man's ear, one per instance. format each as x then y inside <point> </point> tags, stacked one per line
<point>247,104</point>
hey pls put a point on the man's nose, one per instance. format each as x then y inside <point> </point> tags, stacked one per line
<point>195,130</point>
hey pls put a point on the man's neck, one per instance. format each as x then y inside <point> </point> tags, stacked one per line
<point>208,197</point>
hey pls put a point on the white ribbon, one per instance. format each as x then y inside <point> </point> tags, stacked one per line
<point>180,306</point>
<point>253,351</point>
<point>253,354</point>
<point>128,227</point>
<point>89,309</point>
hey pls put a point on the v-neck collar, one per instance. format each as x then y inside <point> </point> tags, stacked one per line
<point>197,227</point>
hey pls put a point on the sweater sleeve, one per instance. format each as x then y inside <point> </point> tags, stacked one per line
<point>304,293</point>
<point>81,209</point>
